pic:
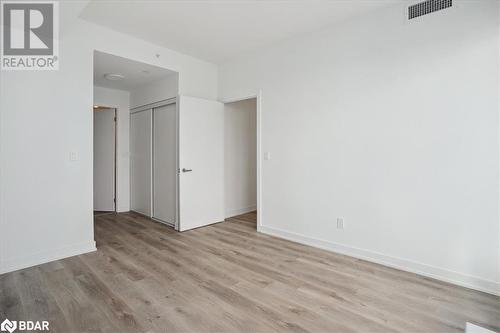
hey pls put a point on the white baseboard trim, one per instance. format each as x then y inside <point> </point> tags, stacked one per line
<point>15,264</point>
<point>437,273</point>
<point>140,213</point>
<point>239,211</point>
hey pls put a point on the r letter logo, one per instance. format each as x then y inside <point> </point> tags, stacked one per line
<point>29,35</point>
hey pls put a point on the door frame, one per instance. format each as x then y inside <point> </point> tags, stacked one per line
<point>258,97</point>
<point>98,108</point>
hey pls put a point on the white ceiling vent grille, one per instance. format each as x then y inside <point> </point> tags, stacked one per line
<point>427,7</point>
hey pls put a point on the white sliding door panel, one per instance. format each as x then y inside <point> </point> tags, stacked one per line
<point>104,160</point>
<point>140,162</point>
<point>164,163</point>
<point>201,150</point>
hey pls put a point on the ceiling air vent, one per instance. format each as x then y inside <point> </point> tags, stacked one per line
<point>427,7</point>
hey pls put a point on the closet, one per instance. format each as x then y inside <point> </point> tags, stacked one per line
<point>177,162</point>
<point>153,161</point>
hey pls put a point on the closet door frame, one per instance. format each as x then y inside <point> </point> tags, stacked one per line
<point>152,107</point>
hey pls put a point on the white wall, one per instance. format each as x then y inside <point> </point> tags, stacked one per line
<point>391,125</point>
<point>120,100</point>
<point>155,91</point>
<point>45,199</point>
<point>240,149</point>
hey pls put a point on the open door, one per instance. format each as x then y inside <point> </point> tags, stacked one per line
<point>201,162</point>
<point>104,159</point>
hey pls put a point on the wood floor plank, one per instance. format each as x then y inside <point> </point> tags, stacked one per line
<point>101,295</point>
<point>318,273</point>
<point>11,306</point>
<point>80,312</point>
<point>145,277</point>
<point>186,279</point>
<point>37,301</point>
<point>343,294</point>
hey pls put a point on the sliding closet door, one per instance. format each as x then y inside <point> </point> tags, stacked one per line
<point>140,161</point>
<point>164,163</point>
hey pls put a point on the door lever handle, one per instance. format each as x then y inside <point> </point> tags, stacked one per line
<point>186,170</point>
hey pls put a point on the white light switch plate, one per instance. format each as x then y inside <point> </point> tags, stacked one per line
<point>267,156</point>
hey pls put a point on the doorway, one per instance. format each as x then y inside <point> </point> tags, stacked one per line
<point>127,84</point>
<point>148,133</point>
<point>104,160</point>
<point>240,161</point>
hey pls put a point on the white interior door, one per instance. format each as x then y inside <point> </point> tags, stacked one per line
<point>164,163</point>
<point>201,160</point>
<point>104,160</point>
<point>140,161</point>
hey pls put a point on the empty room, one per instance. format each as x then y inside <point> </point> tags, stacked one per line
<point>250,166</point>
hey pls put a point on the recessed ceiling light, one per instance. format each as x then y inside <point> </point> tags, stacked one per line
<point>114,77</point>
<point>96,107</point>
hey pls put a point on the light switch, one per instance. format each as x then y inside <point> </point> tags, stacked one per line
<point>73,156</point>
<point>267,156</point>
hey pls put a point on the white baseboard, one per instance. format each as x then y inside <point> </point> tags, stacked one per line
<point>239,211</point>
<point>140,213</point>
<point>15,264</point>
<point>437,273</point>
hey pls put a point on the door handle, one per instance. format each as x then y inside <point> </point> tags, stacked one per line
<point>186,170</point>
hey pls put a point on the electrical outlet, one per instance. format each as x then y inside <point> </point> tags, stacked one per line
<point>73,156</point>
<point>340,223</point>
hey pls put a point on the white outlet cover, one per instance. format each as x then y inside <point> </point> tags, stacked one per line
<point>73,156</point>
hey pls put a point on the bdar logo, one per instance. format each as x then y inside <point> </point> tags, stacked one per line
<point>24,325</point>
<point>8,326</point>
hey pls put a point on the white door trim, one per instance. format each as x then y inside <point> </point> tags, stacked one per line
<point>258,97</point>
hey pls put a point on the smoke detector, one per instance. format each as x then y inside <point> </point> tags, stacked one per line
<point>113,77</point>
